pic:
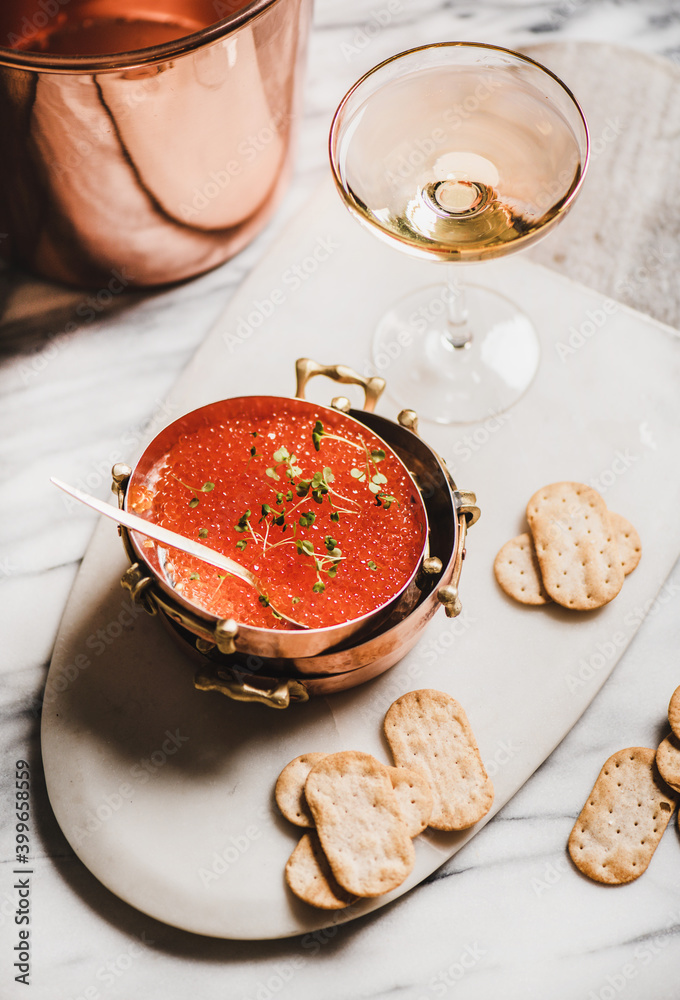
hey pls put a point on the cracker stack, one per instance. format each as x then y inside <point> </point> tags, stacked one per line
<point>364,814</point>
<point>577,553</point>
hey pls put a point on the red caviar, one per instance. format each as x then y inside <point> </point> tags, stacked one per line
<point>325,555</point>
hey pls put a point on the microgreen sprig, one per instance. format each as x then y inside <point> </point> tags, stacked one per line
<point>282,457</point>
<point>205,488</point>
<point>324,563</point>
<point>369,473</point>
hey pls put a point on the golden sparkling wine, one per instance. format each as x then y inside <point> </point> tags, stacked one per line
<point>455,163</point>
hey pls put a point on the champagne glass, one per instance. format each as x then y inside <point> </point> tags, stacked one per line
<point>458,152</point>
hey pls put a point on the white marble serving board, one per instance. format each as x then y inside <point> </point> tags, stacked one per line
<point>164,792</point>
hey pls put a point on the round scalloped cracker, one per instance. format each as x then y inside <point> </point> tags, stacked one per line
<point>668,761</point>
<point>290,789</point>
<point>309,876</point>
<point>630,546</point>
<point>674,712</point>
<point>625,815</point>
<point>576,545</point>
<point>518,573</point>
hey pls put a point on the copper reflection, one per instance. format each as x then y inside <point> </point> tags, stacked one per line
<point>157,164</point>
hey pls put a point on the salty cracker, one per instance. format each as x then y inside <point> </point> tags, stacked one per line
<point>414,796</point>
<point>620,825</point>
<point>309,876</point>
<point>674,712</point>
<point>290,789</point>
<point>518,573</point>
<point>576,545</point>
<point>668,761</point>
<point>429,731</point>
<point>628,540</point>
<point>359,822</point>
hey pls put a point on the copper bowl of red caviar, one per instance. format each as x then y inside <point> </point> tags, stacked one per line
<point>349,520</point>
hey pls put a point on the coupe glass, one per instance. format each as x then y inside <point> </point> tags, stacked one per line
<point>458,152</point>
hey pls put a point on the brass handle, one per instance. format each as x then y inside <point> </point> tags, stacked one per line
<point>448,594</point>
<point>275,697</point>
<point>468,506</point>
<point>305,369</point>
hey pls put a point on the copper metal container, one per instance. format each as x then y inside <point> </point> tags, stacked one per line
<point>148,166</point>
<point>277,666</point>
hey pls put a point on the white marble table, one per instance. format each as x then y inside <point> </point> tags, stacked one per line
<point>508,916</point>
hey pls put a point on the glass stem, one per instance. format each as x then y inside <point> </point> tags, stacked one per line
<point>458,333</point>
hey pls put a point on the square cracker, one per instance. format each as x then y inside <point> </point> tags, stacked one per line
<point>360,823</point>
<point>622,822</point>
<point>575,545</point>
<point>429,731</point>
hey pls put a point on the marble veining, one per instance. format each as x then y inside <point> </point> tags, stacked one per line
<point>508,916</point>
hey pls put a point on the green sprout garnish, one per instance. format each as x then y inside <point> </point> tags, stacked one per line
<point>205,488</point>
<point>282,457</point>
<point>327,564</point>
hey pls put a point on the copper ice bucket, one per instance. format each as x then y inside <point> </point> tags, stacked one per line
<point>150,165</point>
<point>258,664</point>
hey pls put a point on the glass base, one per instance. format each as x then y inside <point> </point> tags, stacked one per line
<point>412,350</point>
